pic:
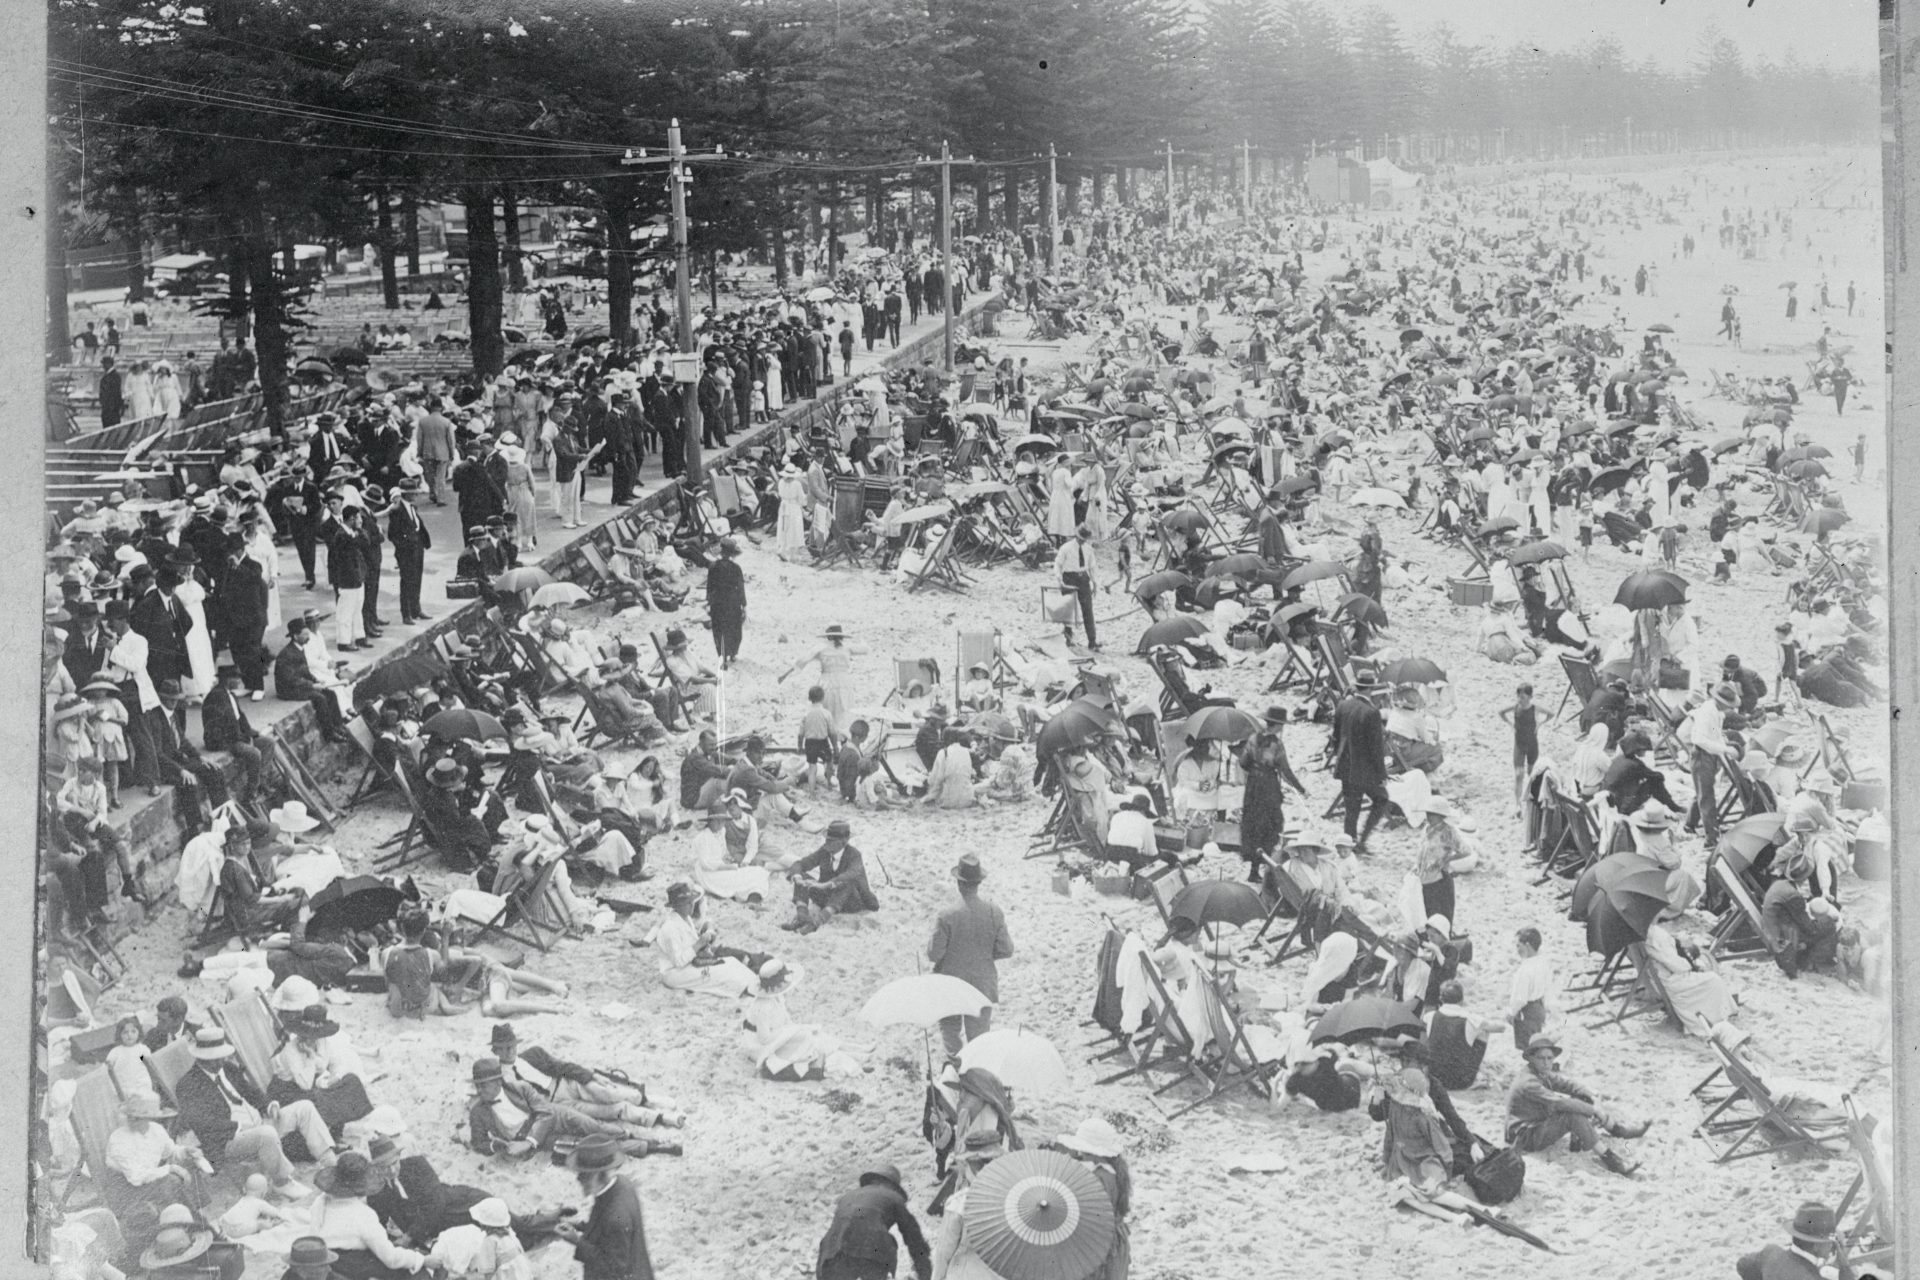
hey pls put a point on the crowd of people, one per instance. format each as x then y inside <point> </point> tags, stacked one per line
<point>1215,475</point>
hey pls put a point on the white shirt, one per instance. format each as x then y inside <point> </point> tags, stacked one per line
<point>1131,829</point>
<point>1533,980</point>
<point>128,658</point>
<point>470,1252</point>
<point>142,1157</point>
<point>1073,558</point>
<point>1706,728</point>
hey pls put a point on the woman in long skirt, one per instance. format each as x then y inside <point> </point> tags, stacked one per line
<point>520,497</point>
<point>836,672</point>
<point>791,531</point>
<point>192,596</point>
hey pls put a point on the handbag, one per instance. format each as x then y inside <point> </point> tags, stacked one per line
<point>1673,674</point>
<point>463,589</point>
<point>1499,1176</point>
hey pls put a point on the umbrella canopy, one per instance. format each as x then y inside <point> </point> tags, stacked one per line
<point>1374,497</point>
<point>1039,1215</point>
<point>347,356</point>
<point>1313,571</point>
<point>1243,564</point>
<point>1019,1059</point>
<point>408,672</point>
<point>1537,552</point>
<point>1806,469</point>
<point>1727,446</point>
<point>560,594</point>
<point>1221,724</point>
<point>357,903</point>
<point>1229,448</point>
<point>1044,443</point>
<point>1608,480</point>
<point>1208,902</point>
<point>1651,589</point>
<point>1186,520</point>
<point>922,1000</point>
<point>1160,583</point>
<point>914,515</point>
<point>1413,671</point>
<point>1361,608</point>
<point>1499,524</point>
<point>1076,725</point>
<point>1629,894</point>
<point>1133,409</point>
<point>1612,869</point>
<point>977,410</point>
<point>1660,328</point>
<point>1170,631</point>
<point>1748,838</point>
<point>1236,427</point>
<point>994,724</point>
<point>1366,1018</point>
<point>464,722</point>
<point>313,367</point>
<point>525,578</point>
<point>1134,386</point>
<point>1294,484</point>
<point>820,293</point>
<point>1820,520</point>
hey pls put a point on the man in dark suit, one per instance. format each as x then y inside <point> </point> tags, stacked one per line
<point>839,886</point>
<point>294,680</point>
<point>295,502</point>
<point>162,621</point>
<point>1359,751</point>
<point>180,762</point>
<point>242,597</point>
<point>713,428</point>
<point>890,309</point>
<point>411,541</point>
<point>414,1199</point>
<point>347,574</point>
<point>1803,1256</point>
<point>224,727</point>
<point>87,644</point>
<point>373,557</point>
<point>613,1244</point>
<point>859,1243</point>
<point>113,404</point>
<point>221,1106</point>
<point>326,448</point>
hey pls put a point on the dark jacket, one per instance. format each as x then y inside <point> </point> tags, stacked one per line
<point>695,770</point>
<point>242,598</point>
<point>406,530</point>
<point>1775,1262</point>
<point>843,870</point>
<point>204,1111</point>
<point>113,405</point>
<point>293,679</point>
<point>346,561</point>
<point>1360,742</point>
<point>420,1204</point>
<point>223,721</point>
<point>1630,784</point>
<point>726,589</point>
<point>164,623</point>
<point>864,1220</point>
<point>614,1244</point>
<point>84,657</point>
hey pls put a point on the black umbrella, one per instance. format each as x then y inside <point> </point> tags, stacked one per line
<point>1537,552</point>
<point>1170,631</point>
<point>1608,480</point>
<point>1158,583</point>
<point>1413,671</point>
<point>464,722</point>
<point>409,672</point>
<point>1499,524</point>
<point>1365,1018</point>
<point>1651,589</point>
<point>1218,902</point>
<point>356,903</point>
<point>347,356</point>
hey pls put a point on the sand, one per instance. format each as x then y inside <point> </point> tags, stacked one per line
<point>764,1161</point>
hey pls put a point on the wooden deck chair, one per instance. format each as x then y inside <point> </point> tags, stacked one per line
<point>169,1066</point>
<point>1831,752</point>
<point>1750,1121</point>
<point>1482,565</point>
<point>1666,722</point>
<point>1335,665</point>
<point>375,776</point>
<point>1743,936</point>
<point>1644,994</point>
<point>95,1115</point>
<point>1170,1042</point>
<point>910,674</point>
<point>514,914</point>
<point>1245,1057</point>
<point>1581,684</point>
<point>683,700</point>
<point>1602,981</point>
<point>1297,669</point>
<point>601,581</point>
<point>940,570</point>
<point>1287,895</point>
<point>254,1034</point>
<point>418,838</point>
<point>1867,1240</point>
<point>1578,844</point>
<point>849,517</point>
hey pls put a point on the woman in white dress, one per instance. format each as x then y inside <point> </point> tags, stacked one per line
<point>166,390</point>
<point>718,871</point>
<point>1099,517</point>
<point>689,958</point>
<point>193,597</point>
<point>776,397</point>
<point>137,388</point>
<point>792,531</point>
<point>1060,486</point>
<point>258,531</point>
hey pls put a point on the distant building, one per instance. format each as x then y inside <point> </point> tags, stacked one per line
<point>1338,180</point>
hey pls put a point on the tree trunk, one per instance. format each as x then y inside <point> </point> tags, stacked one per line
<point>876,210</point>
<point>483,284</point>
<point>618,213</point>
<point>510,208</point>
<point>1012,198</point>
<point>713,280</point>
<point>136,268</point>
<point>982,202</point>
<point>833,230</point>
<point>779,236</point>
<point>269,317</point>
<point>410,228</point>
<point>383,242</point>
<point>289,261</point>
<point>59,334</point>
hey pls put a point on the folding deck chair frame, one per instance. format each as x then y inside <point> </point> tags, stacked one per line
<point>1726,1117</point>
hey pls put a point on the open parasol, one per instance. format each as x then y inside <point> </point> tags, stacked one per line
<point>1743,842</point>
<point>1365,1018</point>
<point>1077,724</point>
<point>1208,902</point>
<point>559,594</point>
<point>1651,589</point>
<point>1362,608</point>
<point>355,903</point>
<point>525,578</point>
<point>1537,552</point>
<point>1313,571</point>
<point>1170,631</point>
<point>1241,564</point>
<point>1221,724</point>
<point>1413,671</point>
<point>922,1000</point>
<point>1039,1215</point>
<point>1155,584</point>
<point>464,722</point>
<point>1019,1059</point>
<point>407,672</point>
<point>1819,520</point>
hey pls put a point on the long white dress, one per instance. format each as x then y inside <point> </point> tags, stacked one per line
<point>717,873</point>
<point>1657,492</point>
<point>166,393</point>
<point>138,388</point>
<point>264,553</point>
<point>776,400</point>
<point>1060,522</point>
<point>792,532</point>
<point>192,596</point>
<point>677,942</point>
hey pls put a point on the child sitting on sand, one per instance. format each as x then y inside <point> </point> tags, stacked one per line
<point>252,1212</point>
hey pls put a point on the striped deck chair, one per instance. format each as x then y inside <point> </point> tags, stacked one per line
<point>95,1115</point>
<point>254,1034</point>
<point>1245,1057</point>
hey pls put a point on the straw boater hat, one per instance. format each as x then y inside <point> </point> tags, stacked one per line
<point>777,976</point>
<point>1651,816</point>
<point>210,1044</point>
<point>447,772</point>
<point>175,1245</point>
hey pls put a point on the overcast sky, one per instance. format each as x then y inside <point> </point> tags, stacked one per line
<point>1839,33</point>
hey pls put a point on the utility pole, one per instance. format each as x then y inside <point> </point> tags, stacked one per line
<point>686,362</point>
<point>946,255</point>
<point>1629,135</point>
<point>1169,184</point>
<point>1246,175</point>
<point>1053,205</point>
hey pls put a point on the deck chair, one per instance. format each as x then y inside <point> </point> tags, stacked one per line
<point>1581,684</point>
<point>849,517</point>
<point>418,838</point>
<point>1867,1241</point>
<point>601,581</point>
<point>1578,845</point>
<point>1666,722</point>
<point>219,925</point>
<point>1602,982</point>
<point>1644,994</point>
<point>515,915</point>
<point>169,1066</point>
<point>375,776</point>
<point>940,570</point>
<point>254,1034</point>
<point>95,1115</point>
<point>1246,1057</point>
<point>1733,1127</point>
<point>1287,896</point>
<point>1169,1043</point>
<point>1832,753</point>
<point>1744,936</point>
<point>909,673</point>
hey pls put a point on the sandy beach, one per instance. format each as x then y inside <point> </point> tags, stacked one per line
<point>764,1161</point>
